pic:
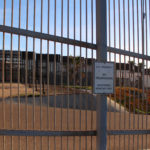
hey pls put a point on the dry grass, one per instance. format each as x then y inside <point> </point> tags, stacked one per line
<point>6,91</point>
<point>26,122</point>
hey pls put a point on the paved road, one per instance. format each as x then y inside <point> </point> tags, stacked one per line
<point>83,101</point>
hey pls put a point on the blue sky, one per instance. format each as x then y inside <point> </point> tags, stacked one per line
<point>71,24</point>
<point>45,23</point>
<point>126,24</point>
<point>133,30</point>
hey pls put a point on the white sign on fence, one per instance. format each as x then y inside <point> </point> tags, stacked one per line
<point>103,78</point>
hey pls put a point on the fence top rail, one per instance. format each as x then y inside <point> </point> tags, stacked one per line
<point>45,36</point>
<point>127,53</point>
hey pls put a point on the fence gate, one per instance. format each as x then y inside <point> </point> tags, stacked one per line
<point>47,53</point>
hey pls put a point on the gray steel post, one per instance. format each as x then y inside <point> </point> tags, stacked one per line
<point>101,56</point>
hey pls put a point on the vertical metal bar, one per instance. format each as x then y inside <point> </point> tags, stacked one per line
<point>3,74</point>
<point>146,97</point>
<point>48,72</point>
<point>55,67</point>
<point>146,69</point>
<point>26,73</point>
<point>138,121</point>
<point>86,73</point>
<point>124,27</point>
<point>74,76</point>
<point>142,30</point>
<point>146,26</point>
<point>19,73</point>
<point>34,16</point>
<point>110,55</point>
<point>129,65</point>
<point>119,23</point>
<point>41,72</point>
<point>114,5</point>
<point>109,117</point>
<point>124,84</point>
<point>48,65</point>
<point>80,99</point>
<point>141,36</point>
<point>26,67</point>
<point>33,73</point>
<point>11,52</point>
<point>143,52</point>
<point>68,81</point>
<point>102,56</point>
<point>125,68</point>
<point>41,65</point>
<point>119,68</point>
<point>92,71</point>
<point>19,66</point>
<point>149,16</point>
<point>62,70</point>
<point>109,22</point>
<point>115,107</point>
<point>68,64</point>
<point>11,47</point>
<point>133,24</point>
<point>140,67</point>
<point>55,4</point>
<point>138,102</point>
<point>110,99</point>
<point>120,90</point>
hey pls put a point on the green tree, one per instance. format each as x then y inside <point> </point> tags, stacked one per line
<point>131,69</point>
<point>141,69</point>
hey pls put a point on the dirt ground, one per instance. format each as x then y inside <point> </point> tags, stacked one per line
<point>25,113</point>
<point>14,116</point>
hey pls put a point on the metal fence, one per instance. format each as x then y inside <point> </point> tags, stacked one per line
<point>47,52</point>
<point>127,39</point>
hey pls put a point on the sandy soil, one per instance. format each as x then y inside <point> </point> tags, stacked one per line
<point>26,113</point>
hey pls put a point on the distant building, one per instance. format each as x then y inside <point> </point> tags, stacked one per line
<point>15,65</point>
<point>80,70</point>
<point>132,75</point>
<point>54,68</point>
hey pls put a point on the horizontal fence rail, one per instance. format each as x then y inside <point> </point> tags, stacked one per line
<point>44,36</point>
<point>128,132</point>
<point>70,133</point>
<point>46,133</point>
<point>127,53</point>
